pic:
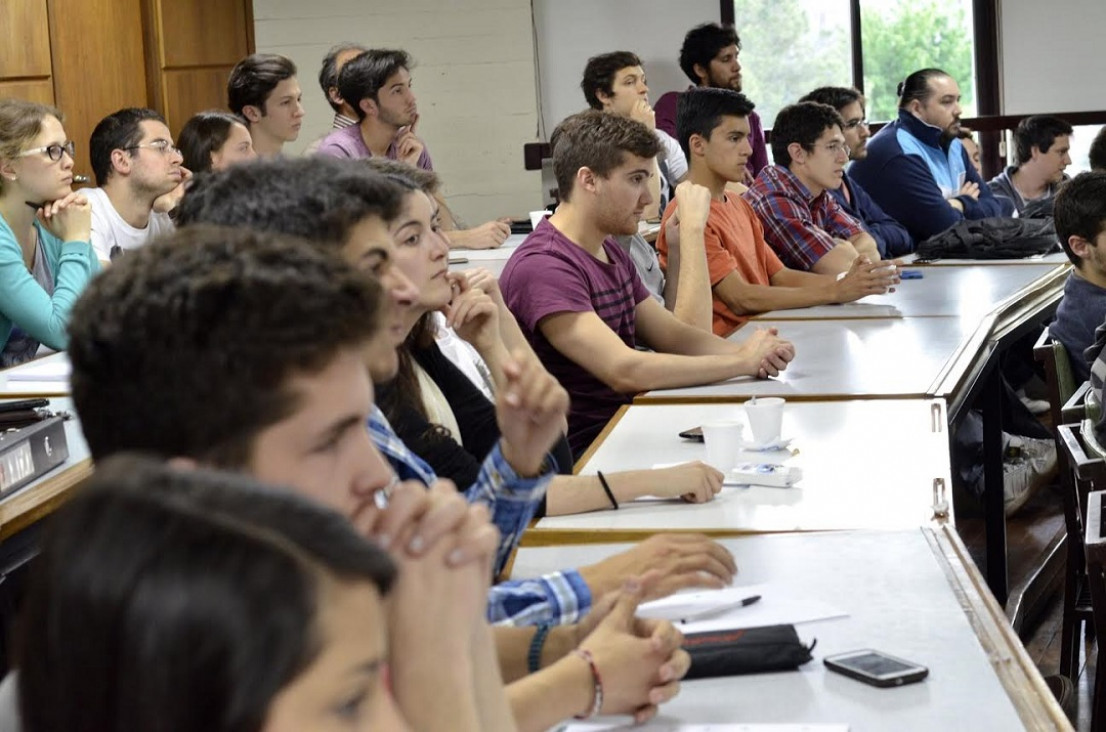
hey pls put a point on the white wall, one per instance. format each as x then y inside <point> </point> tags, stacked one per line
<point>474,79</point>
<point>571,31</point>
<point>1052,58</point>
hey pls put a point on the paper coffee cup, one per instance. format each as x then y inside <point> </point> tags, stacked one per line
<point>537,216</point>
<point>765,419</point>
<point>723,441</point>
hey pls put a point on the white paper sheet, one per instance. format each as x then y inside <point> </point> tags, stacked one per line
<point>777,605</point>
<point>52,370</point>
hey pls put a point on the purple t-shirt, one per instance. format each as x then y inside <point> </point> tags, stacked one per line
<point>550,274</point>
<point>348,143</point>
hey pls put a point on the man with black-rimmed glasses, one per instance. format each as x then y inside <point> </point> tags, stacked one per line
<point>891,237</point>
<point>140,177</point>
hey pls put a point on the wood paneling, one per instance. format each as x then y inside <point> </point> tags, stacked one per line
<point>202,32</point>
<point>193,90</point>
<point>24,39</point>
<point>33,91</point>
<point>93,57</point>
<point>98,63</point>
<point>193,46</point>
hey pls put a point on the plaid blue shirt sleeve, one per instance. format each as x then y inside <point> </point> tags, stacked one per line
<point>558,598</point>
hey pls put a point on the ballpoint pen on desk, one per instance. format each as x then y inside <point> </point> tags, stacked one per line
<point>719,610</point>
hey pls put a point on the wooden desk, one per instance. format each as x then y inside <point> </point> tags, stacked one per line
<point>34,502</point>
<point>863,358</point>
<point>27,389</point>
<point>866,464</point>
<point>913,594</point>
<point>966,292</point>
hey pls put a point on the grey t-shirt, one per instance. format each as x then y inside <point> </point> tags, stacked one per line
<point>646,262</point>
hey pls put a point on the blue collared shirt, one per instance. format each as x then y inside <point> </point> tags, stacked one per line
<point>558,598</point>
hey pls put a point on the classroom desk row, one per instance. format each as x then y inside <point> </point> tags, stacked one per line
<point>868,416</point>
<point>856,472</point>
<point>911,593</point>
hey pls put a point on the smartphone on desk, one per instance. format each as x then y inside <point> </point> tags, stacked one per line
<point>876,668</point>
<point>695,434</point>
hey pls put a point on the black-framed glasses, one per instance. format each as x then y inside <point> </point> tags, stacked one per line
<point>54,152</point>
<point>162,146</point>
<point>854,123</point>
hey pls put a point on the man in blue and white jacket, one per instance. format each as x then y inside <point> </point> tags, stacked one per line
<point>916,169</point>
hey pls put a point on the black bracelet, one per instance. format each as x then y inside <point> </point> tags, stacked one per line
<point>533,658</point>
<point>607,489</point>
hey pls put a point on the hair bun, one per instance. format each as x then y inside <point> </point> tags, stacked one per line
<point>900,88</point>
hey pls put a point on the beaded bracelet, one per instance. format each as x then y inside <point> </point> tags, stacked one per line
<point>598,703</point>
<point>533,658</point>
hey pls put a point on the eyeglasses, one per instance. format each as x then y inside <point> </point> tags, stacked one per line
<point>854,123</point>
<point>836,149</point>
<point>54,152</point>
<point>162,146</point>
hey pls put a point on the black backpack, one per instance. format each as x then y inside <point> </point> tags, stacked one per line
<point>991,238</point>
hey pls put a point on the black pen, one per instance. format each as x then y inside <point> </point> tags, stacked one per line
<point>720,609</point>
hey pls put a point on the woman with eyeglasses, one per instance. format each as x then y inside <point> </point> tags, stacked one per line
<point>215,140</point>
<point>45,256</point>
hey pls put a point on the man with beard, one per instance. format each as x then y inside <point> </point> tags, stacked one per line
<point>138,169</point>
<point>916,168</point>
<point>709,58</point>
<point>377,86</point>
<point>1042,144</point>
<point>892,239</point>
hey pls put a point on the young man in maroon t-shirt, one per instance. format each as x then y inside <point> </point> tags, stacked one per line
<point>580,301</point>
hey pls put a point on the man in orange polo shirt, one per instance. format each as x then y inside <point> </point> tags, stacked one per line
<point>746,276</point>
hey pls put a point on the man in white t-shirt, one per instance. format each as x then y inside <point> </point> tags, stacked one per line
<point>138,169</point>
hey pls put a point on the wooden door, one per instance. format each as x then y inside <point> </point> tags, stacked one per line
<point>98,62</point>
<point>194,46</point>
<point>25,70</point>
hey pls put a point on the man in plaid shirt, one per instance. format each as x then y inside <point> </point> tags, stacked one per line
<point>746,275</point>
<point>803,223</point>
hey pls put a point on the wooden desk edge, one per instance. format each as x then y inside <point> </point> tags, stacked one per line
<point>1016,672</point>
<point>43,393</point>
<point>33,503</point>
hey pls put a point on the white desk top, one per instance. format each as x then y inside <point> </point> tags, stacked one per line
<point>1054,258</point>
<point>496,259</point>
<point>12,388</point>
<point>866,465</point>
<point>968,292</point>
<point>900,601</point>
<point>862,357</point>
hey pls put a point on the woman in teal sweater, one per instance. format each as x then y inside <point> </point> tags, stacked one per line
<point>45,256</point>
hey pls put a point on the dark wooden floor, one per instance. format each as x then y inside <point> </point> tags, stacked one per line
<point>1029,532</point>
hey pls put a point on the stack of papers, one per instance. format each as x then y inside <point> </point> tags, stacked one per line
<point>54,369</point>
